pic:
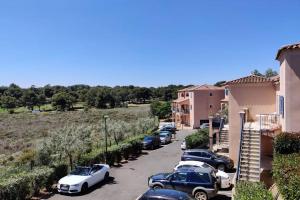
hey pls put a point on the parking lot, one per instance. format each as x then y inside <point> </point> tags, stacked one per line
<point>128,181</point>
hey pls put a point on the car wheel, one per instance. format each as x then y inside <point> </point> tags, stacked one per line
<point>84,188</point>
<point>200,195</point>
<point>157,187</point>
<point>106,176</point>
<point>221,167</point>
<point>152,147</point>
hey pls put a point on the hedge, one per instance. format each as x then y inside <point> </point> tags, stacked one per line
<point>200,139</point>
<point>115,153</point>
<point>251,191</point>
<point>286,143</point>
<point>286,173</point>
<point>25,184</point>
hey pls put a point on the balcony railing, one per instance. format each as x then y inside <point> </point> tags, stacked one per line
<point>181,111</point>
<point>268,121</point>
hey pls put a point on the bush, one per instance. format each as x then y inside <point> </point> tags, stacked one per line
<point>161,109</point>
<point>25,184</point>
<point>251,191</point>
<point>200,139</point>
<point>286,173</point>
<point>286,143</point>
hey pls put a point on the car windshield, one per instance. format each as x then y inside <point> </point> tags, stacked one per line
<point>147,138</point>
<point>81,171</point>
<point>206,165</point>
<point>162,135</point>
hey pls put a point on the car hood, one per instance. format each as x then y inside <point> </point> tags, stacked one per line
<point>161,176</point>
<point>222,174</point>
<point>72,179</point>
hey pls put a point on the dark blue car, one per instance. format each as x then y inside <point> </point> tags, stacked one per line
<point>220,162</point>
<point>164,194</point>
<point>201,183</point>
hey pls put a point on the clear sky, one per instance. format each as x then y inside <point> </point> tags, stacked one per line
<point>141,42</point>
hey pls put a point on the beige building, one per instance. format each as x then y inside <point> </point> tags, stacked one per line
<point>195,104</point>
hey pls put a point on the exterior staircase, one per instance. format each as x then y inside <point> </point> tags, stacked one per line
<point>224,137</point>
<point>249,169</point>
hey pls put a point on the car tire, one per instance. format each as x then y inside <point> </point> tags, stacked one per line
<point>84,188</point>
<point>106,176</point>
<point>157,187</point>
<point>152,147</point>
<point>221,167</point>
<point>200,195</point>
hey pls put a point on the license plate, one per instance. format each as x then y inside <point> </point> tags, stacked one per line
<point>64,188</point>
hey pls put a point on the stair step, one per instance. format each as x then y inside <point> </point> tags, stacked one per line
<point>249,179</point>
<point>250,150</point>
<point>250,146</point>
<point>253,172</point>
<point>250,167</point>
<point>249,175</point>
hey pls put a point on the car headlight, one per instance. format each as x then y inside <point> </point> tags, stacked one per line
<point>75,185</point>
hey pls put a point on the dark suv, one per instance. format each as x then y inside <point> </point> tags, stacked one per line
<point>220,162</point>
<point>164,195</point>
<point>151,142</point>
<point>199,182</point>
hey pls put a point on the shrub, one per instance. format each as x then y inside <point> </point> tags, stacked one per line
<point>286,173</point>
<point>286,143</point>
<point>25,184</point>
<point>251,191</point>
<point>200,139</point>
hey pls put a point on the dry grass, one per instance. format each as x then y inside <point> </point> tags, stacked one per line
<point>25,130</point>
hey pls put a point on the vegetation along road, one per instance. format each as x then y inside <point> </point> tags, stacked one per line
<point>130,180</point>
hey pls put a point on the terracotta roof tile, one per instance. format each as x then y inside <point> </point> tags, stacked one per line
<point>291,46</point>
<point>250,79</point>
<point>202,87</point>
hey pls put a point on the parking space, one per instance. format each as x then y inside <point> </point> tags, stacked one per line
<point>127,182</point>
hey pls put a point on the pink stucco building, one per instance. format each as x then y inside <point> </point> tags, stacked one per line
<point>195,104</point>
<point>259,108</point>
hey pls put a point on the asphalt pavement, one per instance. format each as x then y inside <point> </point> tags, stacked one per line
<point>129,181</point>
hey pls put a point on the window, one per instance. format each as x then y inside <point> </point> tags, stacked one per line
<point>210,106</point>
<point>200,177</point>
<point>281,105</point>
<point>187,94</point>
<point>210,94</point>
<point>181,177</point>
<point>226,92</point>
<point>191,107</point>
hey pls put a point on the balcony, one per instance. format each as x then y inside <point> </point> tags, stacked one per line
<point>181,111</point>
<point>264,122</point>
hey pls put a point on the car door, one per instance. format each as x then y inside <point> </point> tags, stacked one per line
<point>179,181</point>
<point>96,174</point>
<point>198,179</point>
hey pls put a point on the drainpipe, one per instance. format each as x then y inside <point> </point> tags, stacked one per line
<point>210,132</point>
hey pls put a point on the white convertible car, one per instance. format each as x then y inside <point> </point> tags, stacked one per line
<point>223,177</point>
<point>82,178</point>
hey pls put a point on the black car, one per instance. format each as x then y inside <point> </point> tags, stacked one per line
<point>151,142</point>
<point>164,194</point>
<point>201,183</point>
<point>220,162</point>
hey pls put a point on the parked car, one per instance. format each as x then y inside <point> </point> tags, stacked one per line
<point>151,142</point>
<point>169,128</point>
<point>204,126</point>
<point>82,178</point>
<point>183,145</point>
<point>223,178</point>
<point>164,194</point>
<point>201,183</point>
<point>220,162</point>
<point>165,137</point>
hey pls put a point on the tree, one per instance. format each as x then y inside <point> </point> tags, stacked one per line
<point>8,102</point>
<point>41,100</point>
<point>256,72</point>
<point>270,73</point>
<point>161,109</point>
<point>62,101</point>
<point>30,99</point>
<point>220,83</point>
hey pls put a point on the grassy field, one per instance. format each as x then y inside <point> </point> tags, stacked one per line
<point>24,129</point>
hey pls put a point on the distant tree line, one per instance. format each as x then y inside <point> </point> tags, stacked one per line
<point>63,98</point>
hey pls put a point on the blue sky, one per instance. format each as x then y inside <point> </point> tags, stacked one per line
<point>141,42</point>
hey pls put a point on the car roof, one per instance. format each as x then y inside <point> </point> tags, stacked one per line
<point>165,192</point>
<point>198,150</point>
<point>195,169</point>
<point>164,133</point>
<point>191,162</point>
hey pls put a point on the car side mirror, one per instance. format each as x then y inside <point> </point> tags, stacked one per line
<point>213,157</point>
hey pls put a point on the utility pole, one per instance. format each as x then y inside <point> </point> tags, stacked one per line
<point>105,127</point>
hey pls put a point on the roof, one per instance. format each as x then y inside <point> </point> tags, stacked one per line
<point>250,79</point>
<point>202,87</point>
<point>180,100</point>
<point>286,47</point>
